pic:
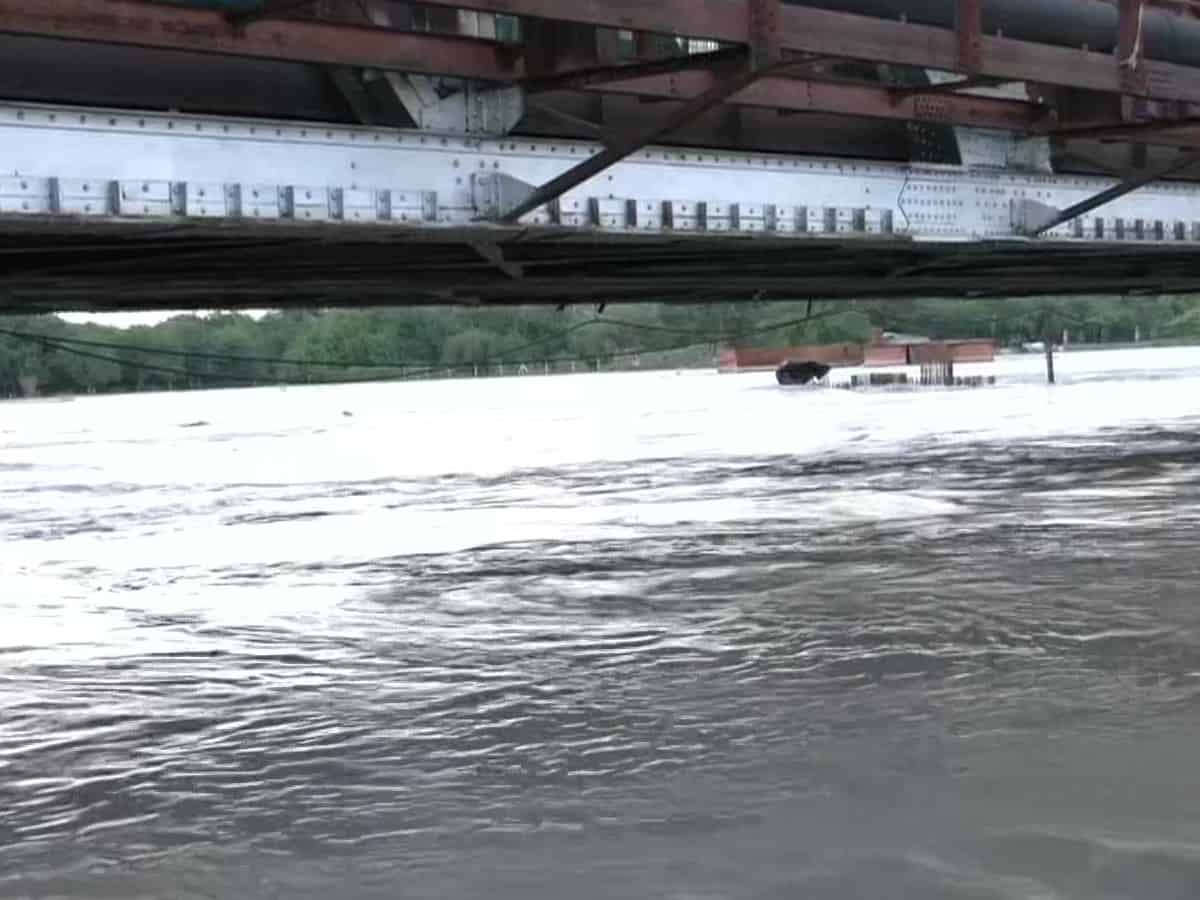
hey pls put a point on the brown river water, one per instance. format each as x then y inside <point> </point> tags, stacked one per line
<point>650,635</point>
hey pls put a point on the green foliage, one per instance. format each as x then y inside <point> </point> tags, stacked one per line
<point>435,340</point>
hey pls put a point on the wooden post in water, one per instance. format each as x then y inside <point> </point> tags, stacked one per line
<point>1049,342</point>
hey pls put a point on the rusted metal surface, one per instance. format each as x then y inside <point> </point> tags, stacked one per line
<point>866,100</point>
<point>269,8</point>
<point>873,355</point>
<point>207,31</point>
<point>598,75</point>
<point>969,26</point>
<point>725,20</point>
<point>886,355</point>
<point>765,46</point>
<point>838,62</point>
<point>809,30</point>
<point>772,29</point>
<point>971,351</point>
<point>897,43</point>
<point>1182,131</point>
<point>799,29</point>
<point>1130,55</point>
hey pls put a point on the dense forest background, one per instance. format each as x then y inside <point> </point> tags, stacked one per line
<point>312,346</point>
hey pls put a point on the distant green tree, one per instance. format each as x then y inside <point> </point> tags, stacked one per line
<point>358,342</point>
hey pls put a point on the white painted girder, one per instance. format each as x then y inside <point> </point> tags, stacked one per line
<point>109,164</point>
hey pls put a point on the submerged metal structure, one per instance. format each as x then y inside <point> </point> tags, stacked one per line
<point>341,152</point>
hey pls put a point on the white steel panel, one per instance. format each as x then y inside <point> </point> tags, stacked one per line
<point>26,195</point>
<point>90,162</point>
<point>608,212</point>
<point>145,198</point>
<point>261,201</point>
<point>84,196</point>
<point>308,203</point>
<point>209,200</point>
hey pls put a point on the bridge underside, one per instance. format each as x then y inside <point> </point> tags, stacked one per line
<point>119,209</point>
<point>53,266</point>
<point>227,153</point>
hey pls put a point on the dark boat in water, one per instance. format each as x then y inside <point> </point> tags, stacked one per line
<point>792,372</point>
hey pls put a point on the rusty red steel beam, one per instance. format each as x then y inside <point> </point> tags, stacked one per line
<point>808,30</point>
<point>142,24</point>
<point>1180,131</point>
<point>579,79</point>
<point>270,8</point>
<point>765,46</point>
<point>922,46</point>
<point>969,25</point>
<point>800,29</point>
<point>132,22</point>
<point>848,98</point>
<point>724,20</point>
<point>1130,62</point>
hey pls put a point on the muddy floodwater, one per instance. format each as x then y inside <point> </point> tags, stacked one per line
<point>653,635</point>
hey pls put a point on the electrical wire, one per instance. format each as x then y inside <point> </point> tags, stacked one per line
<point>148,367</point>
<point>75,347</point>
<point>267,360</point>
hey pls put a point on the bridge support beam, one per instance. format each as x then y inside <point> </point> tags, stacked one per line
<point>969,25</point>
<point>764,55</point>
<point>619,148</point>
<point>1038,218</point>
<point>134,166</point>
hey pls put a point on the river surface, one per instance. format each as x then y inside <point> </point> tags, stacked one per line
<point>679,636</point>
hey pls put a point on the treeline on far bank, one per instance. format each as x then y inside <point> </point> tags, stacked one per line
<point>315,346</point>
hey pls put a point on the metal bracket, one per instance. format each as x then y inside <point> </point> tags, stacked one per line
<point>450,105</point>
<point>1028,219</point>
<point>1032,217</point>
<point>495,194</point>
<point>456,106</point>
<point>986,147</point>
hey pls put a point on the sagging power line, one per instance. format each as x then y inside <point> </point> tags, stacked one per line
<point>90,349</point>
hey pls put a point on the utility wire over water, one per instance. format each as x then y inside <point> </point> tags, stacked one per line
<point>612,636</point>
<point>88,349</point>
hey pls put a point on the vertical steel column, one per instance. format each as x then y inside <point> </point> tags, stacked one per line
<point>969,25</point>
<point>765,49</point>
<point>1130,47</point>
